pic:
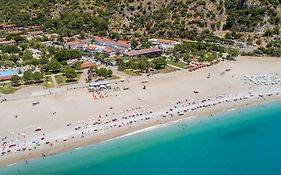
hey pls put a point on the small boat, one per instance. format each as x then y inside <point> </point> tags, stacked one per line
<point>38,129</point>
<point>65,139</point>
<point>35,103</point>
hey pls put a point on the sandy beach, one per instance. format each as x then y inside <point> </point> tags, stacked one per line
<point>70,118</point>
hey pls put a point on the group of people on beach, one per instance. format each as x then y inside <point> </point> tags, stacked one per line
<point>126,118</point>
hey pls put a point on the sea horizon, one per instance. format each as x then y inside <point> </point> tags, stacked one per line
<point>178,146</point>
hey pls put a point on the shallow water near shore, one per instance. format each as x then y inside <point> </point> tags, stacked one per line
<point>243,142</point>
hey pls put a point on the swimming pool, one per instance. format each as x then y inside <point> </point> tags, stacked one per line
<point>8,73</point>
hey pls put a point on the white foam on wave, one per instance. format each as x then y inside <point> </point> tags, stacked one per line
<point>152,128</point>
<point>11,164</point>
<point>232,109</point>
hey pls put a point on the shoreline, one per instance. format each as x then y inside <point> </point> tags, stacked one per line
<point>78,118</point>
<point>153,125</point>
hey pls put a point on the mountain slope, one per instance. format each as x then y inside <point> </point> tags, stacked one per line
<point>168,18</point>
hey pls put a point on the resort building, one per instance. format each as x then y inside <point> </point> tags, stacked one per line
<point>7,27</point>
<point>108,52</point>
<point>150,53</point>
<point>79,44</point>
<point>164,44</point>
<point>87,65</point>
<point>35,35</point>
<point>10,42</point>
<point>113,44</point>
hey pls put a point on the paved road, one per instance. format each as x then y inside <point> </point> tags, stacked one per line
<point>54,80</point>
<point>83,77</point>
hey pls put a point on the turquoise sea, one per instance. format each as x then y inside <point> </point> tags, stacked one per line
<point>240,142</point>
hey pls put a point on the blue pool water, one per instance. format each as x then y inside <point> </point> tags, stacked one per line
<point>8,73</point>
<point>241,142</point>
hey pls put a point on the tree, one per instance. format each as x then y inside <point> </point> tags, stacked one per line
<point>37,76</point>
<point>67,54</point>
<point>9,49</point>
<point>109,72</point>
<point>28,76</point>
<point>92,68</point>
<point>77,65</point>
<point>134,44</point>
<point>142,65</point>
<point>27,55</point>
<point>15,80</point>
<point>69,73</point>
<point>100,57</point>
<point>103,72</point>
<point>233,52</point>
<point>258,42</point>
<point>160,63</point>
<point>54,66</point>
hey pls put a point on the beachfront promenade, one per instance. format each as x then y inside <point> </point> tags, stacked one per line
<point>70,117</point>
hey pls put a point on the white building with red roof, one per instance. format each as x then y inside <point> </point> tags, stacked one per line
<point>113,44</point>
<point>165,45</point>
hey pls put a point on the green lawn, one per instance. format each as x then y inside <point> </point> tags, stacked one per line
<point>48,83</point>
<point>168,69</point>
<point>8,89</point>
<point>179,64</point>
<point>61,80</point>
<point>131,72</point>
<point>114,77</point>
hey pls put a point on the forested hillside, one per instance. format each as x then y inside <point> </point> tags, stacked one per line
<point>167,18</point>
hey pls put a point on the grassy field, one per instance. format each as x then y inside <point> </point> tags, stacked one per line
<point>131,72</point>
<point>48,83</point>
<point>61,80</point>
<point>114,77</point>
<point>168,69</point>
<point>8,88</point>
<point>179,64</point>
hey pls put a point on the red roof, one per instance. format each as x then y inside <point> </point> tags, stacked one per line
<point>142,52</point>
<point>106,49</point>
<point>5,78</point>
<point>87,65</point>
<point>8,25</point>
<point>35,33</point>
<point>90,47</point>
<point>7,42</point>
<point>115,42</point>
<point>86,40</point>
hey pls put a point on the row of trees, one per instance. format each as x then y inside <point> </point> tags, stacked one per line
<point>273,48</point>
<point>28,78</point>
<point>69,73</point>
<point>102,72</point>
<point>201,50</point>
<point>142,64</point>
